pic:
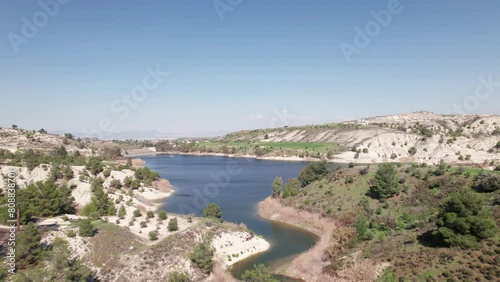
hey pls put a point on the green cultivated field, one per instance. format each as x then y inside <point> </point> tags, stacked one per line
<point>293,146</point>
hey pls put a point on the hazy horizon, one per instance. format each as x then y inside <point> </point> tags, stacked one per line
<point>184,67</point>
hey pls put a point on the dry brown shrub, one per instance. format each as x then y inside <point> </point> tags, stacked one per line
<point>340,241</point>
<point>360,271</point>
<point>220,275</point>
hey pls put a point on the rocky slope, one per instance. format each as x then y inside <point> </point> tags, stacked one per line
<point>453,138</point>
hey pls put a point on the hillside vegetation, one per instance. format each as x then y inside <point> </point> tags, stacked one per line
<point>426,223</point>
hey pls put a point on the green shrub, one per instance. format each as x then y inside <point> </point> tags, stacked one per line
<point>312,172</point>
<point>349,180</point>
<point>153,235</point>
<point>441,169</point>
<point>362,225</point>
<point>71,234</point>
<point>94,165</point>
<point>86,228</point>
<point>385,183</point>
<point>488,182</point>
<point>388,276</point>
<point>162,215</point>
<point>115,183</point>
<point>172,225</point>
<point>202,256</point>
<point>213,211</point>
<point>100,205</point>
<point>27,246</point>
<point>277,187</point>
<point>464,220</point>
<point>136,183</point>
<point>150,214</point>
<point>122,212</point>
<point>146,175</point>
<point>44,199</point>
<point>292,188</point>
<point>259,273</point>
<point>137,213</point>
<point>178,277</point>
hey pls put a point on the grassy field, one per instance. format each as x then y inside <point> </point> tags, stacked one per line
<point>473,171</point>
<point>270,147</point>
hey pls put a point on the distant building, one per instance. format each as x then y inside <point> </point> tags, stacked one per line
<point>362,122</point>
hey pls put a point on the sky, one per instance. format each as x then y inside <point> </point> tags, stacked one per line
<point>209,67</point>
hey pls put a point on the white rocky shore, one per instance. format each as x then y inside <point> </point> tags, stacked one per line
<point>233,247</point>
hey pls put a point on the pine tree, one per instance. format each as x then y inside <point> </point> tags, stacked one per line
<point>277,187</point>
<point>385,183</point>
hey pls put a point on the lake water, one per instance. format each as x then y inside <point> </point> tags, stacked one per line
<point>237,185</point>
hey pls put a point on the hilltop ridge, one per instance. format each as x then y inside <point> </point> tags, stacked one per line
<point>410,137</point>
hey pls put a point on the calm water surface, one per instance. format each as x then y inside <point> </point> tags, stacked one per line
<point>237,185</point>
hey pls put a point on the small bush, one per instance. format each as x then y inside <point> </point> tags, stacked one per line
<point>150,214</point>
<point>259,273</point>
<point>71,234</point>
<point>213,211</point>
<point>364,171</point>
<point>153,235</point>
<point>137,213</point>
<point>349,180</point>
<point>178,277</point>
<point>488,182</point>
<point>86,228</point>
<point>172,225</point>
<point>122,212</point>
<point>162,215</point>
<point>202,256</point>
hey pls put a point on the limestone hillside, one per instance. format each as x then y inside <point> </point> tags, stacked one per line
<point>412,137</point>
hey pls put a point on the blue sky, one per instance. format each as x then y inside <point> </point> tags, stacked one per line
<point>266,63</point>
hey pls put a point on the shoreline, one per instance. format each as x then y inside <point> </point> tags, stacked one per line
<point>308,265</point>
<point>339,159</point>
<point>291,159</point>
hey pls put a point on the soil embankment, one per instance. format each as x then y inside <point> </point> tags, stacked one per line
<point>309,265</point>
